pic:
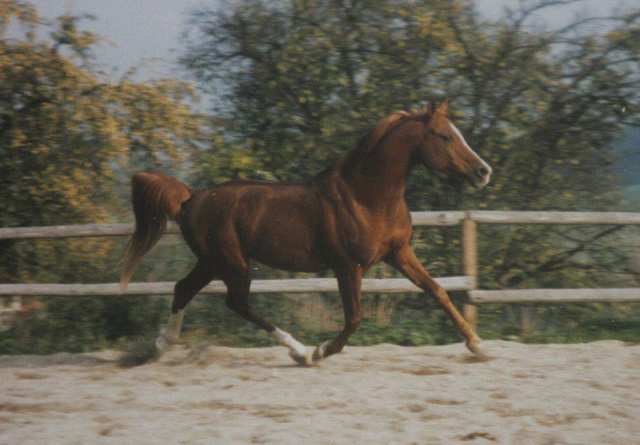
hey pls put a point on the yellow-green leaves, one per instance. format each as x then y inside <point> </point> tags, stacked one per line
<point>70,137</point>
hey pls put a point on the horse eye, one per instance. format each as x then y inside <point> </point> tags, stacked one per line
<point>444,137</point>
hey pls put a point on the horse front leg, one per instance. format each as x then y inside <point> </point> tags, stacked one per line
<point>405,260</point>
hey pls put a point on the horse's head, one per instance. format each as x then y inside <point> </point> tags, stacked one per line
<point>444,149</point>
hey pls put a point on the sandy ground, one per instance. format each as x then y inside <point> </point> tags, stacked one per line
<point>527,394</point>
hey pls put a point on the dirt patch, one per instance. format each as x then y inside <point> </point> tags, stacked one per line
<point>581,393</point>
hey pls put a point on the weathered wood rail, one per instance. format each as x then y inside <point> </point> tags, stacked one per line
<point>468,221</point>
<point>292,285</point>
<point>93,230</point>
<point>452,218</point>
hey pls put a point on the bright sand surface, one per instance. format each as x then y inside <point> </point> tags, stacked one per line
<point>526,394</point>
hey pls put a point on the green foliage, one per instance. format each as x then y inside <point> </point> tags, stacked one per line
<point>70,138</point>
<point>296,84</point>
<point>304,79</point>
<point>72,325</point>
<point>301,80</point>
<point>78,324</point>
<point>66,131</point>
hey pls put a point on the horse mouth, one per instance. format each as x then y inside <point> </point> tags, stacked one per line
<point>458,180</point>
<point>476,179</point>
<point>479,177</point>
<point>478,182</point>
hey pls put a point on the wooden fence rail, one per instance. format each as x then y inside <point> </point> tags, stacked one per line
<point>453,218</point>
<point>467,220</point>
<point>93,230</point>
<point>293,285</point>
<point>554,295</point>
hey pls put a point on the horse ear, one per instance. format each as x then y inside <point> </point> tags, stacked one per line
<point>444,105</point>
<point>432,107</point>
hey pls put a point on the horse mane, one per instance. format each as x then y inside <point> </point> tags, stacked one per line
<point>370,140</point>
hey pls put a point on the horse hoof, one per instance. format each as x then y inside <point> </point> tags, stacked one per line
<point>305,358</point>
<point>472,346</point>
<point>320,351</point>
<point>161,345</point>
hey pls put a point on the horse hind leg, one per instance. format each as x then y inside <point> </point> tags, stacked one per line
<point>183,293</point>
<point>238,288</point>
<point>349,282</point>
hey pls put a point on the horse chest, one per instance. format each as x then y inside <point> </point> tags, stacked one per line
<point>361,232</point>
<point>369,242</point>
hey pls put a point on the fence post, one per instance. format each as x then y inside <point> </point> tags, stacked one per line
<point>470,265</point>
<point>16,303</point>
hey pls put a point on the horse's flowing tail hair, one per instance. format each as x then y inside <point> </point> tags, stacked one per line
<point>155,197</point>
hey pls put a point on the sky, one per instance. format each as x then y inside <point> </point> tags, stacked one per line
<point>146,33</point>
<point>136,33</point>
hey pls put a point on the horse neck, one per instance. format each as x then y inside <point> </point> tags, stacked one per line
<point>379,178</point>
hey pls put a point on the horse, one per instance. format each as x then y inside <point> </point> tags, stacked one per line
<point>346,219</point>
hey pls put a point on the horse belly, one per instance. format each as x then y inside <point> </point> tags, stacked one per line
<point>287,251</point>
<point>288,241</point>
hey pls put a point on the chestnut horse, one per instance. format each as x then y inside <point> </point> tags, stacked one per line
<point>347,218</point>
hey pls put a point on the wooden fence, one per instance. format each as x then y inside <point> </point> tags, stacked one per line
<point>469,232</point>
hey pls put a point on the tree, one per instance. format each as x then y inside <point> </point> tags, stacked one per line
<point>68,133</point>
<point>298,81</point>
<point>70,138</point>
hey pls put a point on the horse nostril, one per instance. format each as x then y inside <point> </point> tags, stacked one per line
<point>482,171</point>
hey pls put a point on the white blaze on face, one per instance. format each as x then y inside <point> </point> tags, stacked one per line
<point>482,165</point>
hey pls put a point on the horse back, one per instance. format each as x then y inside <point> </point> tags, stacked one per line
<point>276,224</point>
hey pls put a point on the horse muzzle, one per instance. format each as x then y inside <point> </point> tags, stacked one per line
<point>480,176</point>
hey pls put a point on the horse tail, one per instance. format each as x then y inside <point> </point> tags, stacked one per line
<point>155,197</point>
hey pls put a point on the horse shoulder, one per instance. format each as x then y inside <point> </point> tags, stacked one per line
<point>363,234</point>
